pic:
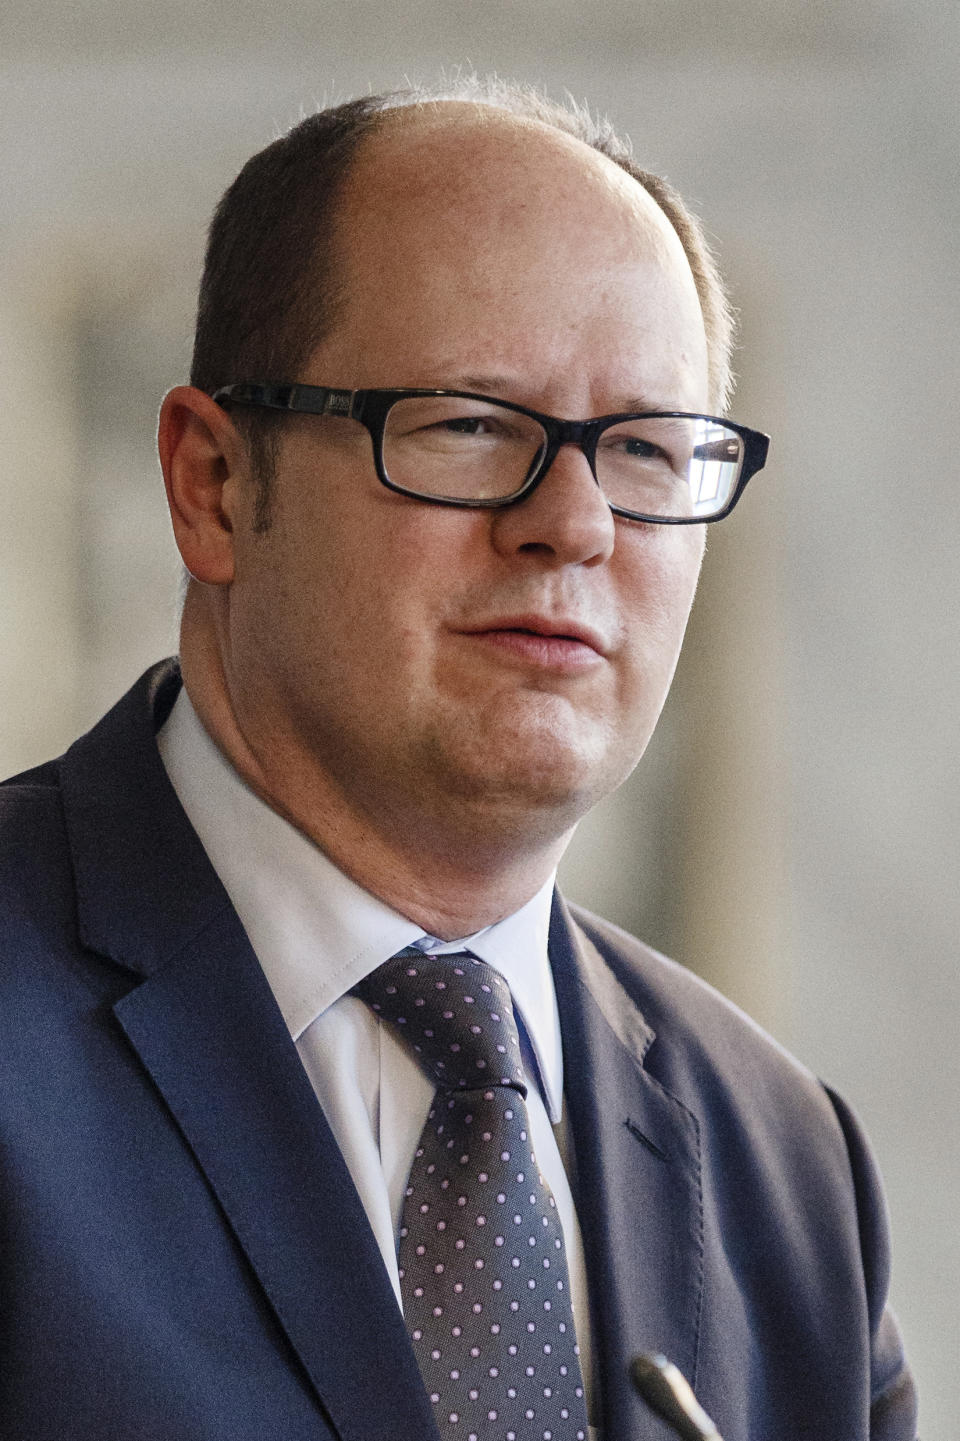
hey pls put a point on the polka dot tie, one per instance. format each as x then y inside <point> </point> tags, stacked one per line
<point>482,1268</point>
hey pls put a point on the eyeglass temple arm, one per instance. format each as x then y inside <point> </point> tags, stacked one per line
<point>722,450</point>
<point>304,399</point>
<point>756,446</point>
<point>727,449</point>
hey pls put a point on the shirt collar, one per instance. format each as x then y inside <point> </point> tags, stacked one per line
<point>314,930</point>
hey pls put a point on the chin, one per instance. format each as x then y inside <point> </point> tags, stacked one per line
<point>536,764</point>
<point>544,793</point>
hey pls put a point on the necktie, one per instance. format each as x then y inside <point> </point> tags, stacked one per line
<point>482,1268</point>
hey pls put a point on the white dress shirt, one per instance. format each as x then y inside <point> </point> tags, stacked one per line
<point>316,933</point>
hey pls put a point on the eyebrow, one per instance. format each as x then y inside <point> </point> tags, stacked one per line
<point>486,384</point>
<point>500,386</point>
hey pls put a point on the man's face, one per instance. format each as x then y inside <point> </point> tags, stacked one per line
<point>501,670</point>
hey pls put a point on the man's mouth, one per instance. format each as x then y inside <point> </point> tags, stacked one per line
<point>557,643</point>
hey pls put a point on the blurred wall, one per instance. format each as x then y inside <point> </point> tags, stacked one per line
<point>793,832</point>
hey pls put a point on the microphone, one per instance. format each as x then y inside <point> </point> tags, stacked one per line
<point>668,1392</point>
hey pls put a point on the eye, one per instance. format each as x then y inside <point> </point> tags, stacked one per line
<point>459,424</point>
<point>633,445</point>
<point>467,424</point>
<point>462,431</point>
<point>626,445</point>
<point>419,416</point>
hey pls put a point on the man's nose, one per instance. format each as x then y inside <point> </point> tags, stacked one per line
<point>566,518</point>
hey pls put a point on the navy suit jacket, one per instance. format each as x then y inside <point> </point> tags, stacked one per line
<point>183,1254</point>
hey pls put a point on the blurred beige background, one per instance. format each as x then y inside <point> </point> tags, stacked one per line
<point>793,833</point>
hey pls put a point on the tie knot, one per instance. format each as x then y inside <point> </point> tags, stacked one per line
<point>455,1012</point>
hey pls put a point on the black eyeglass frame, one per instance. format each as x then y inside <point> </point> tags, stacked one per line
<point>371,407</point>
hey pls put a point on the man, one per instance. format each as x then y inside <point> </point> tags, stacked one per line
<point>272,937</point>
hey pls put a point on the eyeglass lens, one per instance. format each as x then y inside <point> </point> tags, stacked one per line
<point>461,449</point>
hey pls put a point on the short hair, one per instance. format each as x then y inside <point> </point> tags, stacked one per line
<point>270,288</point>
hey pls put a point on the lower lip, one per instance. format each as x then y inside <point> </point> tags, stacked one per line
<point>547,652</point>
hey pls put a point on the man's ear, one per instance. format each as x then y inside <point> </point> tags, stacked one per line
<point>206,475</point>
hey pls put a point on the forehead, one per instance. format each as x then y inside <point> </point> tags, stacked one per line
<point>466,221</point>
<point>465,172</point>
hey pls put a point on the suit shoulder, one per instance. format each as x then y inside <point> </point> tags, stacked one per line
<point>31,814</point>
<point>36,874</point>
<point>665,985</point>
<point>42,777</point>
<point>699,1033</point>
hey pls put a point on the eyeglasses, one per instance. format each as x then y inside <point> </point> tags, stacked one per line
<point>451,447</point>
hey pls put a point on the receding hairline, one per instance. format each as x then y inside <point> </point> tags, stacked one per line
<point>476,119</point>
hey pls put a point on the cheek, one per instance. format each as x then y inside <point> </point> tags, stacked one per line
<point>657,601</point>
<point>661,563</point>
<point>366,605</point>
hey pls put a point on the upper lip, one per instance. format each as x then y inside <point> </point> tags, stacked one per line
<point>560,626</point>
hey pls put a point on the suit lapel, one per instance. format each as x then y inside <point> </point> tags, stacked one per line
<point>206,1027</point>
<point>638,1183</point>
<point>212,1038</point>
